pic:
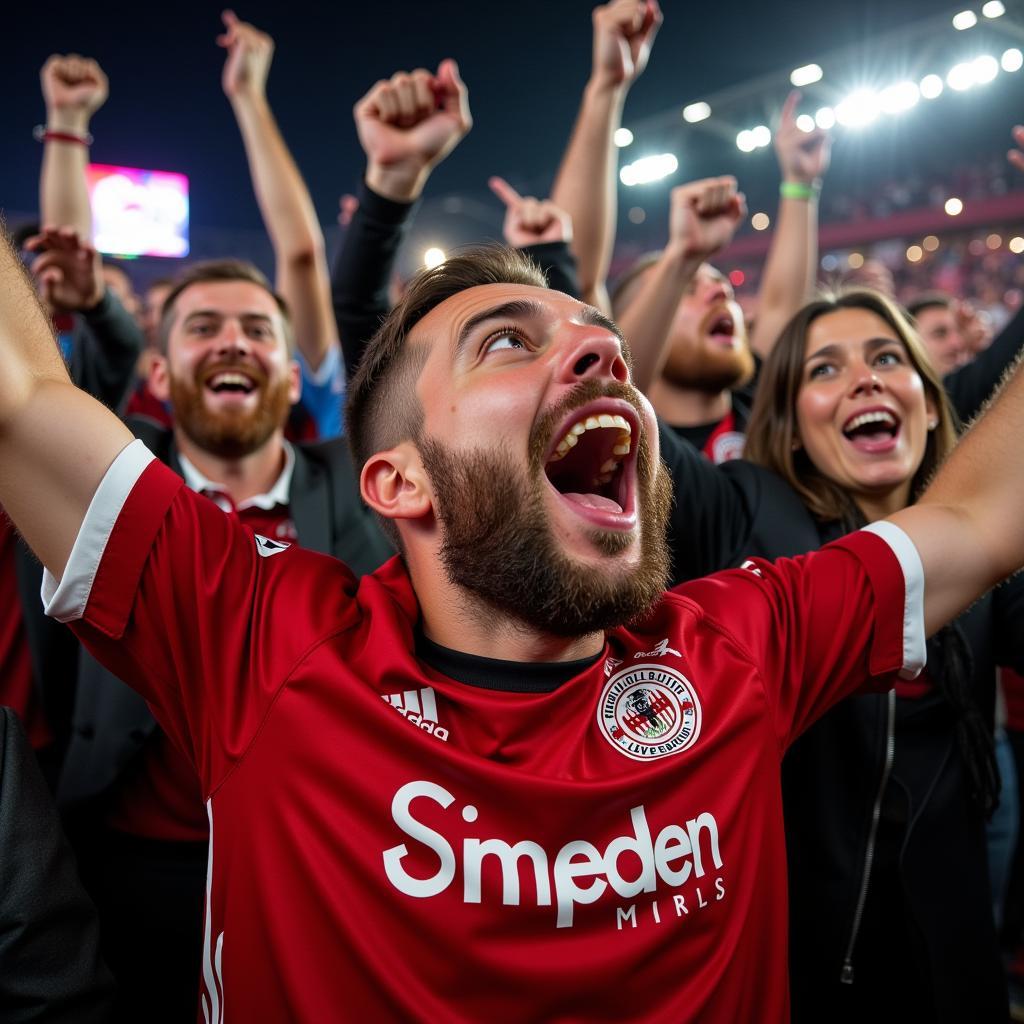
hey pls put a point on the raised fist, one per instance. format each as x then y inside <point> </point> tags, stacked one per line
<point>67,270</point>
<point>74,88</point>
<point>624,32</point>
<point>704,215</point>
<point>408,124</point>
<point>803,156</point>
<point>250,52</point>
<point>530,221</point>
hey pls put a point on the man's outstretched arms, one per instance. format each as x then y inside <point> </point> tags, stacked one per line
<point>967,526</point>
<point>55,441</point>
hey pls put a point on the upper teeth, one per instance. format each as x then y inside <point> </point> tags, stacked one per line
<point>871,417</point>
<point>603,421</point>
<point>230,378</point>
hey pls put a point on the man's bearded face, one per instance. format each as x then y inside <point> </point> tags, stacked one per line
<point>498,543</point>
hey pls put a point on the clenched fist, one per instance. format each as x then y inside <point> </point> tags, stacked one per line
<point>704,215</point>
<point>530,221</point>
<point>74,88</point>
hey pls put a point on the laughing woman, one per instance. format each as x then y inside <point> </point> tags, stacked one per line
<point>886,795</point>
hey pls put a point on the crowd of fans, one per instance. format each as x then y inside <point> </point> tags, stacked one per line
<point>764,795</point>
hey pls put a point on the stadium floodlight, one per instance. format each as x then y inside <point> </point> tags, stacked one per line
<point>623,137</point>
<point>433,257</point>
<point>899,97</point>
<point>859,109</point>
<point>993,9</point>
<point>931,86</point>
<point>914,254</point>
<point>745,141</point>
<point>806,75</point>
<point>954,207</point>
<point>761,135</point>
<point>825,118</point>
<point>760,221</point>
<point>1012,59</point>
<point>986,67</point>
<point>648,169</point>
<point>696,112</point>
<point>964,20</point>
<point>1016,245</point>
<point>961,77</point>
<point>805,123</point>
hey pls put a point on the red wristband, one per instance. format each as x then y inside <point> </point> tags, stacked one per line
<point>43,134</point>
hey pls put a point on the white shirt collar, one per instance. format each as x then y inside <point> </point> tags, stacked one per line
<point>277,495</point>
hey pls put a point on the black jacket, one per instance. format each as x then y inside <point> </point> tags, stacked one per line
<point>111,721</point>
<point>106,343</point>
<point>50,967</point>
<point>833,773</point>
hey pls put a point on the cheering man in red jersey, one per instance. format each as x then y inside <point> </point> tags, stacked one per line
<point>505,777</point>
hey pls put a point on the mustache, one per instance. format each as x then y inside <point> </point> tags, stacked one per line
<point>581,394</point>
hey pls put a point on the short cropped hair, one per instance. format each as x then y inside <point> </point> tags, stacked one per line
<point>928,300</point>
<point>381,407</point>
<point>213,271</point>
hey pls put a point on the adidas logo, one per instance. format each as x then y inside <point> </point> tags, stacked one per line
<point>420,708</point>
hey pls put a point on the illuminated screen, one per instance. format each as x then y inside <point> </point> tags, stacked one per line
<point>137,212</point>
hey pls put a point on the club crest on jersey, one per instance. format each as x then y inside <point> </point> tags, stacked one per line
<point>649,711</point>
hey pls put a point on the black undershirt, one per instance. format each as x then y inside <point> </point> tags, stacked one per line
<point>492,674</point>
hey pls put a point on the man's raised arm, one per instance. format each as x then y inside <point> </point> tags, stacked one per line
<point>284,200</point>
<point>791,268</point>
<point>968,526</point>
<point>702,219</point>
<point>56,442</point>
<point>586,184</point>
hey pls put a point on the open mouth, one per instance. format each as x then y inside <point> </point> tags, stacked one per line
<point>592,466</point>
<point>874,430</point>
<point>230,382</point>
<point>722,330</point>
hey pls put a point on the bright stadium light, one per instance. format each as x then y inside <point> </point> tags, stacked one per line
<point>806,75</point>
<point>623,137</point>
<point>855,260</point>
<point>930,243</point>
<point>805,123</point>
<point>760,221</point>
<point>993,9</point>
<point>825,118</point>
<point>964,20</point>
<point>986,68</point>
<point>1016,245</point>
<point>648,169</point>
<point>899,97</point>
<point>1012,59</point>
<point>931,86</point>
<point>914,253</point>
<point>761,135</point>
<point>745,141</point>
<point>961,76</point>
<point>860,108</point>
<point>954,207</point>
<point>696,112</point>
<point>433,257</point>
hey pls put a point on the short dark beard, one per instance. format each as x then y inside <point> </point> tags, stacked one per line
<point>229,434</point>
<point>499,546</point>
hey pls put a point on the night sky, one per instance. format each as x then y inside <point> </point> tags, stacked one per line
<point>525,64</point>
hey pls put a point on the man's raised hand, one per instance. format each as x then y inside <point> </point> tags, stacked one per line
<point>530,221</point>
<point>250,52</point>
<point>704,215</point>
<point>67,270</point>
<point>74,88</point>
<point>803,156</point>
<point>408,124</point>
<point>624,32</point>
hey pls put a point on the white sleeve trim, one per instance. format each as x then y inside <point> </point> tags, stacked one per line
<point>66,600</point>
<point>330,366</point>
<point>914,654</point>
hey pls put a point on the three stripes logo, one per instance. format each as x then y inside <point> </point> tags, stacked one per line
<point>420,708</point>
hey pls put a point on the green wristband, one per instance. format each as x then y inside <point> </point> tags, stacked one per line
<point>798,190</point>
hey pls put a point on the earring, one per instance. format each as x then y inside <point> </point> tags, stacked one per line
<point>933,423</point>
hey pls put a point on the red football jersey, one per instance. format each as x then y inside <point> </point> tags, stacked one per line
<point>388,844</point>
